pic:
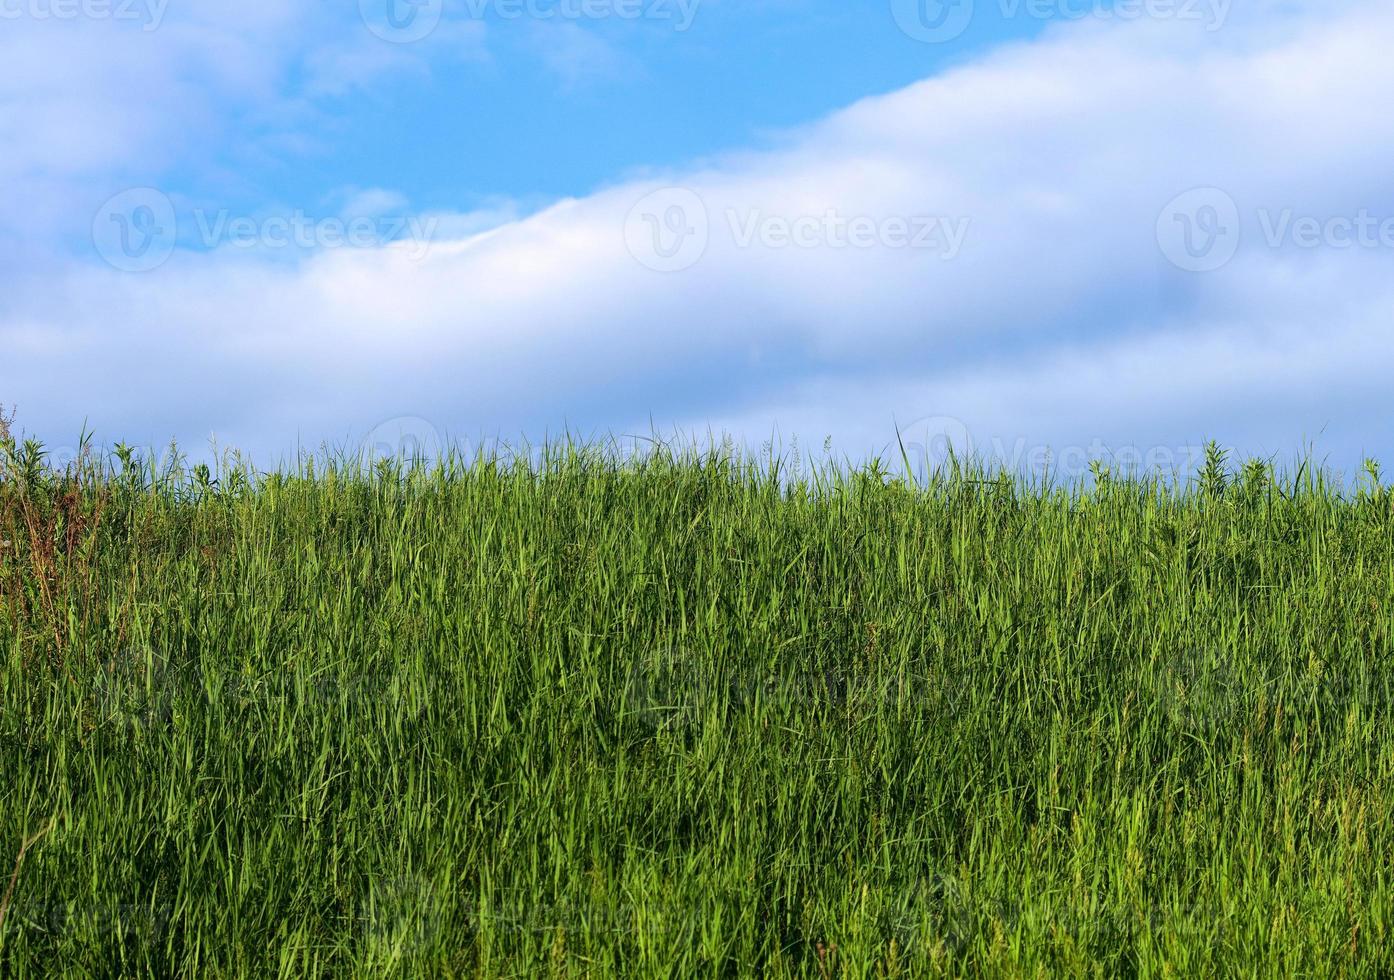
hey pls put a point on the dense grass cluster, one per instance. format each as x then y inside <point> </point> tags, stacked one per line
<point>686,714</point>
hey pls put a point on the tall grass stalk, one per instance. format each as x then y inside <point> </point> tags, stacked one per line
<point>577,712</point>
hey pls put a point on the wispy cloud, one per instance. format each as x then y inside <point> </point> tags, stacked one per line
<point>997,251</point>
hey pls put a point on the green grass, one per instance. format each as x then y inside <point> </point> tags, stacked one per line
<point>684,715</point>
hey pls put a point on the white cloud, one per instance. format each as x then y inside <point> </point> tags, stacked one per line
<point>91,104</point>
<point>1059,320</point>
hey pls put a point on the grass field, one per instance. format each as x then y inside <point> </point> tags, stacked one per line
<point>680,714</point>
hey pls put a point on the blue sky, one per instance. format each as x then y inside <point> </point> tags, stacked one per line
<point>526,101</point>
<point>1025,226</point>
<point>545,109</point>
